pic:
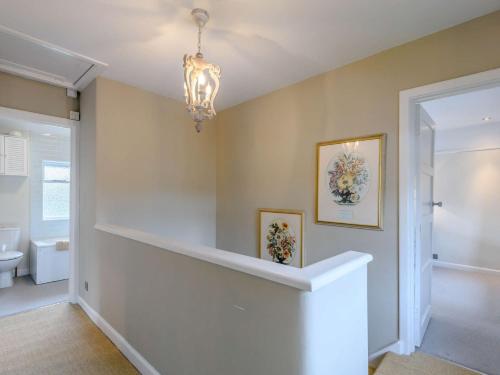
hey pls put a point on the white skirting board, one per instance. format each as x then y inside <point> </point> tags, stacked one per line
<point>375,358</point>
<point>463,267</point>
<point>123,345</point>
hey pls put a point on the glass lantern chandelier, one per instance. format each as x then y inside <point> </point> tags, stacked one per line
<point>201,79</point>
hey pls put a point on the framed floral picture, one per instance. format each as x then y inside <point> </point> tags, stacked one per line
<point>349,182</point>
<point>281,236</point>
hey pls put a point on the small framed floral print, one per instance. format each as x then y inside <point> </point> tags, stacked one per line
<point>281,236</point>
<point>349,182</point>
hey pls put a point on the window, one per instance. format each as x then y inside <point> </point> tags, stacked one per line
<point>56,177</point>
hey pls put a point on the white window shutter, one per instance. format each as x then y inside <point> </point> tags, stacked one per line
<point>16,156</point>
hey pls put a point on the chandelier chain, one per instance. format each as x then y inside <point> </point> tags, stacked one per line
<point>199,39</point>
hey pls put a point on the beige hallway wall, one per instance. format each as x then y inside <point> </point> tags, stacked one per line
<point>266,150</point>
<point>142,166</point>
<point>154,172</point>
<point>87,252</point>
<point>32,96</point>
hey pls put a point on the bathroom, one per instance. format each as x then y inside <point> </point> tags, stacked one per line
<point>34,214</point>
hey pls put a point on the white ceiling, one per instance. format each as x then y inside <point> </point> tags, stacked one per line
<point>260,45</point>
<point>465,110</point>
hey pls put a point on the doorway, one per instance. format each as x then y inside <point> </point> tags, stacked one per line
<point>39,191</point>
<point>464,240</point>
<point>418,208</point>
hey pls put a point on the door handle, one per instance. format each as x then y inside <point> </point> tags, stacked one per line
<point>439,204</point>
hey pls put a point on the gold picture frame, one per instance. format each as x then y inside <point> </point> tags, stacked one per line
<point>297,225</point>
<point>365,211</point>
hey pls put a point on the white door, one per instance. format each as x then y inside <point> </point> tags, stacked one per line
<point>423,235</point>
<point>16,156</point>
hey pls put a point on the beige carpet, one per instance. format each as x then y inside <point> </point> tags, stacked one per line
<point>58,339</point>
<point>418,364</point>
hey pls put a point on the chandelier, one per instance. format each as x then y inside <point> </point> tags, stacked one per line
<point>201,79</point>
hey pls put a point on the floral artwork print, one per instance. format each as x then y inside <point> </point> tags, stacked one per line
<point>348,178</point>
<point>281,242</point>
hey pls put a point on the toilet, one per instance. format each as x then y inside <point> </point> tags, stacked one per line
<point>9,256</point>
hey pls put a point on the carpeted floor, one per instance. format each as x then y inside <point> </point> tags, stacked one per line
<point>55,340</point>
<point>465,323</point>
<point>418,364</point>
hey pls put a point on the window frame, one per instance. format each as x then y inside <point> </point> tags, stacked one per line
<point>54,163</point>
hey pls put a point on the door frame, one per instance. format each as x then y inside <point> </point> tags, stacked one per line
<point>408,101</point>
<point>15,114</point>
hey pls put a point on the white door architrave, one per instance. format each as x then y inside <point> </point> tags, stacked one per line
<point>409,101</point>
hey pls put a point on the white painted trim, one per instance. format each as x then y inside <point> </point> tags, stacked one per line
<point>310,278</point>
<point>123,345</point>
<point>32,73</point>
<point>374,358</point>
<point>97,67</point>
<point>15,114</point>
<point>465,149</point>
<point>463,267</point>
<point>94,72</point>
<point>424,322</point>
<point>408,100</point>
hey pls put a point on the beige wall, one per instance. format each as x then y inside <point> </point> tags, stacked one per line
<point>32,96</point>
<point>142,166</point>
<point>154,172</point>
<point>88,263</point>
<point>188,316</point>
<point>466,227</point>
<point>266,150</point>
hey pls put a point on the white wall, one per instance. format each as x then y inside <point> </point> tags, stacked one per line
<point>468,138</point>
<point>466,229</point>
<point>15,205</point>
<point>54,148</point>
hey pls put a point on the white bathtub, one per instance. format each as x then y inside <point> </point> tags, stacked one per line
<point>46,263</point>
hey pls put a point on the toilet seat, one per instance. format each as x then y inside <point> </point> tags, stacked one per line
<point>9,255</point>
